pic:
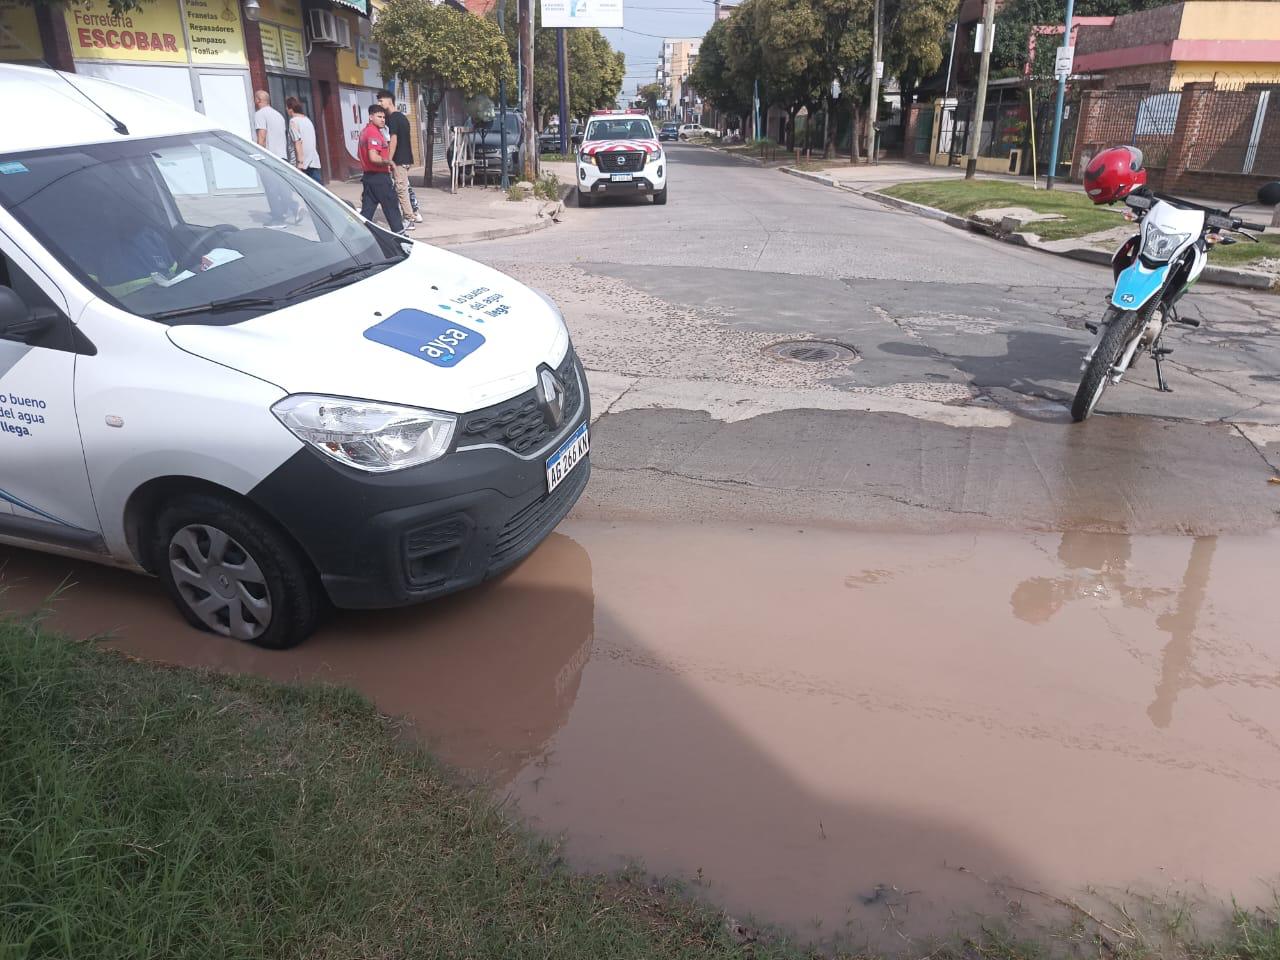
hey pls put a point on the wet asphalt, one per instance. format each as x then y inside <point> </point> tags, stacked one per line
<point>869,648</point>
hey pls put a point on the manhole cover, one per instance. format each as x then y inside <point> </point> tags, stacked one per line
<point>811,351</point>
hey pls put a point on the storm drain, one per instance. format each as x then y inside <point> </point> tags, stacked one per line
<point>811,351</point>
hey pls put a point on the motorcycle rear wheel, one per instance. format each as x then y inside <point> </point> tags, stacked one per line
<point>1098,373</point>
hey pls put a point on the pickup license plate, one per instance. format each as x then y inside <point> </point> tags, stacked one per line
<point>623,177</point>
<point>572,452</point>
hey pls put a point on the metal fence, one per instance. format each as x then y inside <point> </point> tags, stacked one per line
<point>1236,130</point>
<point>1239,133</point>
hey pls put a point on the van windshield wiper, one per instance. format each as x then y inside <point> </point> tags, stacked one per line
<point>336,275</point>
<point>216,306</point>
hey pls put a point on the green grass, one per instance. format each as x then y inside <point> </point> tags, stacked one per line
<point>966,197</point>
<point>1246,252</point>
<point>557,157</point>
<point>154,812</point>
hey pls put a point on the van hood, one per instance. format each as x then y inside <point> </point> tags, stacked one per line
<point>437,331</point>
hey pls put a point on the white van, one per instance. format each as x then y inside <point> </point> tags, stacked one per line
<point>268,418</point>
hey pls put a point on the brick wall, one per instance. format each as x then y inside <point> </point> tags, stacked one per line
<point>1159,25</point>
<point>1154,76</point>
<point>1197,142</point>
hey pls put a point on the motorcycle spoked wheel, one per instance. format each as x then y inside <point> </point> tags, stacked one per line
<point>1098,373</point>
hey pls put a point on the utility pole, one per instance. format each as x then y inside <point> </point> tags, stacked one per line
<point>877,70</point>
<point>980,105</point>
<point>562,66</point>
<point>502,106</point>
<point>526,88</point>
<point>1057,110</point>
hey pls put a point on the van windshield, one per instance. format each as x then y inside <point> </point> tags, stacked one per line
<point>199,228</point>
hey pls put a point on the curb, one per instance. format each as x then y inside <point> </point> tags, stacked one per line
<point>499,233</point>
<point>1223,276</point>
<point>736,156</point>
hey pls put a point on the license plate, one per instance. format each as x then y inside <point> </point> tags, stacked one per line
<point>623,177</point>
<point>572,452</point>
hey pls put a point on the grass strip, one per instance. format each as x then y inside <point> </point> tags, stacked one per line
<point>168,813</point>
<point>967,197</point>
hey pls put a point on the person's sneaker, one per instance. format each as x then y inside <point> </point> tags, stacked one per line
<point>411,225</point>
<point>417,217</point>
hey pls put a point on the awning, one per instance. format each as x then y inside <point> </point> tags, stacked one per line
<point>359,6</point>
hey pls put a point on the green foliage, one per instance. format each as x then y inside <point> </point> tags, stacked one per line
<point>441,48</point>
<point>650,93</point>
<point>595,68</point>
<point>1017,18</point>
<point>547,187</point>
<point>118,7</point>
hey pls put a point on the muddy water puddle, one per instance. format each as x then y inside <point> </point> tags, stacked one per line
<point>876,735</point>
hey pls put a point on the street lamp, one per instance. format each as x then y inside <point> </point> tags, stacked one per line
<point>252,10</point>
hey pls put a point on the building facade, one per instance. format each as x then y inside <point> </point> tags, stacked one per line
<point>211,55</point>
<point>675,63</point>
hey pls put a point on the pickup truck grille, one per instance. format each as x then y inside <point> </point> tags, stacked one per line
<point>621,162</point>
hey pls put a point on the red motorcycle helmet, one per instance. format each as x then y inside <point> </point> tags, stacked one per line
<point>1113,174</point>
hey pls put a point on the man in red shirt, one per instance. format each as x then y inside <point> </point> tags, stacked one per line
<point>375,160</point>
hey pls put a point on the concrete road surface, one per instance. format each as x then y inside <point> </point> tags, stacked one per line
<point>948,406</point>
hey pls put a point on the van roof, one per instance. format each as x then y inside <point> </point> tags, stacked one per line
<point>39,109</point>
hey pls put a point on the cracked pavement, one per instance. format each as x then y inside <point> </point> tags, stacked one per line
<point>952,414</point>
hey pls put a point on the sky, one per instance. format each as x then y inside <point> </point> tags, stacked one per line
<point>647,22</point>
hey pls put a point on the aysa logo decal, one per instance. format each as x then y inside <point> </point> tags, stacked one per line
<point>1126,298</point>
<point>442,342</point>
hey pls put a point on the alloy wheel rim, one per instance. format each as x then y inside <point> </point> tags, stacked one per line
<point>220,582</point>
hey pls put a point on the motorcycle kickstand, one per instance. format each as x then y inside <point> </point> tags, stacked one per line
<point>1159,353</point>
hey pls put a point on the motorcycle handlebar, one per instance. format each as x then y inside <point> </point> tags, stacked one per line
<point>1252,226</point>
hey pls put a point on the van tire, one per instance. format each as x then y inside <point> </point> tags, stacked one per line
<point>227,540</point>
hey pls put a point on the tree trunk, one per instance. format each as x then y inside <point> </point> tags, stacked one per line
<point>855,126</point>
<point>826,129</point>
<point>429,147</point>
<point>791,127</point>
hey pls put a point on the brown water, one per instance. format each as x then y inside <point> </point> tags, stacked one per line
<point>831,731</point>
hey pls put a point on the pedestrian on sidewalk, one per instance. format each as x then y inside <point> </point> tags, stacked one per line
<point>401,155</point>
<point>375,162</point>
<point>302,133</point>
<point>269,130</point>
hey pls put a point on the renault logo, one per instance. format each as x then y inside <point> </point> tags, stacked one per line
<point>551,397</point>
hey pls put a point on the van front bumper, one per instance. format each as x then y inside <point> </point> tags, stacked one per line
<point>394,539</point>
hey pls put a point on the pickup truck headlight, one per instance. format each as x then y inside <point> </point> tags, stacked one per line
<point>365,434</point>
<point>588,158</point>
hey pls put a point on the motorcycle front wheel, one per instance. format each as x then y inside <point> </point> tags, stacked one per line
<point>1098,373</point>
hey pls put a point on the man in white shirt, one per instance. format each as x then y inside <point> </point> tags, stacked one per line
<point>303,134</point>
<point>269,129</point>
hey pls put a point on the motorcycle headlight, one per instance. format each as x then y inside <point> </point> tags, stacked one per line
<point>377,437</point>
<point>1159,244</point>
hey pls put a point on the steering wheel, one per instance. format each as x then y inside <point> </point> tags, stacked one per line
<point>188,257</point>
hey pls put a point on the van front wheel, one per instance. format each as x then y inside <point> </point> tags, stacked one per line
<point>232,573</point>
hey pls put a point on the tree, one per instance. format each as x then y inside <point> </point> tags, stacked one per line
<point>117,7</point>
<point>650,93</point>
<point>441,49</point>
<point>712,78</point>
<point>595,69</point>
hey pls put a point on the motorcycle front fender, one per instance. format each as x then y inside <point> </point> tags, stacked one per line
<point>1137,284</point>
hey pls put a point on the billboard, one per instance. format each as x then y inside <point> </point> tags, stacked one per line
<point>582,13</point>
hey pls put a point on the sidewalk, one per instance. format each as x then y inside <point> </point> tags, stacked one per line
<point>863,178</point>
<point>473,213</point>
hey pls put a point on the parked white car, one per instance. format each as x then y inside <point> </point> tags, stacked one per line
<point>214,371</point>
<point>690,130</point>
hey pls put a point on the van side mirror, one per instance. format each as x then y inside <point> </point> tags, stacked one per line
<point>1269,193</point>
<point>18,321</point>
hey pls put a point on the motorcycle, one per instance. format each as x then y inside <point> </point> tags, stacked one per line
<point>1153,270</point>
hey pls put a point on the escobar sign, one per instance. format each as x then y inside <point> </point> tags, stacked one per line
<point>582,13</point>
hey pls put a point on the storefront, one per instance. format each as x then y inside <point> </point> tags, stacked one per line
<point>284,53</point>
<point>19,32</point>
<point>191,52</point>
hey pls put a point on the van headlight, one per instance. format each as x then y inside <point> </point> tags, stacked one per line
<point>377,437</point>
<point>1160,244</point>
